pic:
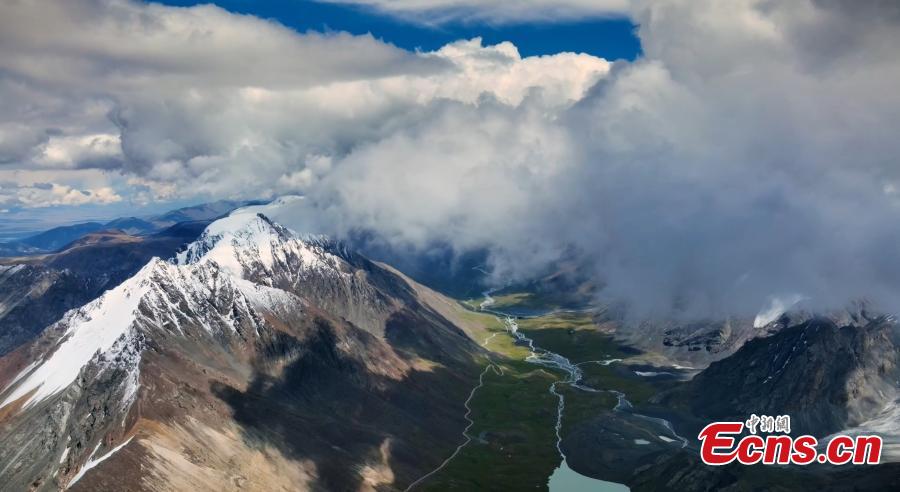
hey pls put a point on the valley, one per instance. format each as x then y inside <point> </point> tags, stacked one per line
<point>295,352</point>
<point>562,396</point>
<point>547,382</point>
<point>449,246</point>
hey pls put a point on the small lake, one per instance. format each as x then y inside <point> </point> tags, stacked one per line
<point>565,479</point>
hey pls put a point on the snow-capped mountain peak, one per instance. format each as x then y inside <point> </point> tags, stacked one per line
<point>238,261</point>
<point>248,307</point>
<point>247,244</point>
<point>237,237</point>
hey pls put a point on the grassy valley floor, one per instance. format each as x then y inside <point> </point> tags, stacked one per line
<point>512,439</point>
<point>513,436</point>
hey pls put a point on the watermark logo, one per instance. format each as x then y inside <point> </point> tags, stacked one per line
<point>721,444</point>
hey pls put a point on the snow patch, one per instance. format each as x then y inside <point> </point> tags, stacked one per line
<point>91,463</point>
<point>263,296</point>
<point>11,269</point>
<point>246,239</point>
<point>92,328</point>
<point>65,454</point>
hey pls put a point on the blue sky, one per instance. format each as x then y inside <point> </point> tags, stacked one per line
<point>610,38</point>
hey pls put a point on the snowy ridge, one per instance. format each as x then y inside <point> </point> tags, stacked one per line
<point>205,294</point>
<point>248,242</point>
<point>92,328</point>
<point>204,287</point>
<point>10,269</point>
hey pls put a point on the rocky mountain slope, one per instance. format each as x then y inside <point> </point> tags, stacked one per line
<point>256,359</point>
<point>695,343</point>
<point>35,291</point>
<point>832,374</point>
<point>826,375</point>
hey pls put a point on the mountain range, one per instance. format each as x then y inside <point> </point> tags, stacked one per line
<point>229,352</point>
<point>222,366</point>
<point>56,238</point>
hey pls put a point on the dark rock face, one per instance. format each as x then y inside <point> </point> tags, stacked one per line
<point>826,373</point>
<point>328,406</point>
<point>825,376</point>
<point>698,336</point>
<point>695,343</point>
<point>684,472</point>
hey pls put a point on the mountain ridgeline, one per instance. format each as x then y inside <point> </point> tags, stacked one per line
<point>236,354</point>
<point>255,359</point>
<point>36,290</point>
<point>58,238</point>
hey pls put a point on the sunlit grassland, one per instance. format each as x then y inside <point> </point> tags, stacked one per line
<point>527,300</point>
<point>575,336</point>
<point>572,335</point>
<point>513,444</point>
<point>513,438</point>
<point>490,332</point>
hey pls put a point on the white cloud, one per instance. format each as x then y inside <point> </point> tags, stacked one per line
<point>232,104</point>
<point>500,70</point>
<point>101,150</point>
<point>441,11</point>
<point>80,44</point>
<point>45,187</point>
<point>744,157</point>
<point>50,194</point>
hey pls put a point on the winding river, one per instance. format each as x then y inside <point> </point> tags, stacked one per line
<point>564,479</point>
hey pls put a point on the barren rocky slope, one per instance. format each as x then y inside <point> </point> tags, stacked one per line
<point>257,359</point>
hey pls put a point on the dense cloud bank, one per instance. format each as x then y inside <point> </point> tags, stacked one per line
<point>750,153</point>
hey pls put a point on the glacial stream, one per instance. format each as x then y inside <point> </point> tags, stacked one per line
<point>564,479</point>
